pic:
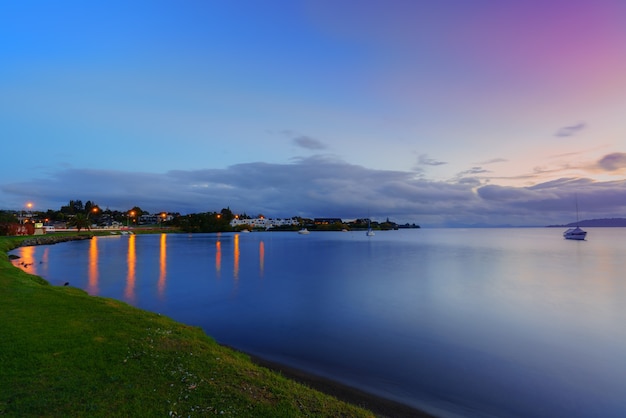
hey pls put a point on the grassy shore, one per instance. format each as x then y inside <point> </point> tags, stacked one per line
<point>65,353</point>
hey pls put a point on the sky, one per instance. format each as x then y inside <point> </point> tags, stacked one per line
<point>441,113</point>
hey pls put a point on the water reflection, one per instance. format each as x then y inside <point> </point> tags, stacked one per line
<point>27,260</point>
<point>236,257</point>
<point>44,260</point>
<point>162,265</point>
<point>92,274</point>
<point>537,316</point>
<point>129,293</point>
<point>218,258</point>
<point>261,258</point>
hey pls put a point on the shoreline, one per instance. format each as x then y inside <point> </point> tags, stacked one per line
<point>380,406</point>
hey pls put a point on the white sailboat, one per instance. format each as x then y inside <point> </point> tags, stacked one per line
<point>575,233</point>
<point>370,231</point>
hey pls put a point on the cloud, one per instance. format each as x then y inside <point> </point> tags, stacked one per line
<point>472,172</point>
<point>613,162</point>
<point>423,159</point>
<point>494,161</point>
<point>323,185</point>
<point>570,130</point>
<point>309,143</point>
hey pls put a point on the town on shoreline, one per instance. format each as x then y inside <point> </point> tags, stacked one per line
<point>77,216</point>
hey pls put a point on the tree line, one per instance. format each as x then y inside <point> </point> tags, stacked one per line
<point>81,215</point>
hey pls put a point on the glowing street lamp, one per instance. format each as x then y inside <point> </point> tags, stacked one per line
<point>29,206</point>
<point>128,216</point>
<point>162,218</point>
<point>94,210</point>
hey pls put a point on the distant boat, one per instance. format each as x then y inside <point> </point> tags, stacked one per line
<point>303,231</point>
<point>370,231</point>
<point>575,233</point>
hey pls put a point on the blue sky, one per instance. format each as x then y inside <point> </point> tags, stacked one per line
<point>440,113</point>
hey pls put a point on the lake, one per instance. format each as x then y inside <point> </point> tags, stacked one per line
<point>456,322</point>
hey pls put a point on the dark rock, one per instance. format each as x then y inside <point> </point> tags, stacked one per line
<point>53,239</point>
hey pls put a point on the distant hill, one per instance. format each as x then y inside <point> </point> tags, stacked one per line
<point>600,223</point>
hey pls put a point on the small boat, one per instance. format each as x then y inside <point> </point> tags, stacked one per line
<point>370,231</point>
<point>303,231</point>
<point>575,233</point>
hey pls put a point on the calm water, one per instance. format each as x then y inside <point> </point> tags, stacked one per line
<point>476,322</point>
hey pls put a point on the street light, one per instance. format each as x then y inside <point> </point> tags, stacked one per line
<point>29,205</point>
<point>94,210</point>
<point>131,213</point>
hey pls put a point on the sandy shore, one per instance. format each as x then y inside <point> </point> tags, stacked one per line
<point>379,406</point>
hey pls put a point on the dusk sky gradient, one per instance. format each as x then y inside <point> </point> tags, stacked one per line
<point>442,113</point>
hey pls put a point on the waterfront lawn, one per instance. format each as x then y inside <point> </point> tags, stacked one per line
<point>65,353</point>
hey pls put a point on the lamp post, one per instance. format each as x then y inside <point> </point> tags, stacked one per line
<point>29,206</point>
<point>94,210</point>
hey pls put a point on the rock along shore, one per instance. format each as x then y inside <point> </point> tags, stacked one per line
<point>52,239</point>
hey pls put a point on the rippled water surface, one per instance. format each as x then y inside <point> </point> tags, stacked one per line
<point>478,322</point>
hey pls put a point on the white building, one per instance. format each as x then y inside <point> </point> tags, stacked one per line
<point>263,222</point>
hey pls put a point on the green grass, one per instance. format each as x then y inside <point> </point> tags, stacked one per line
<point>65,353</point>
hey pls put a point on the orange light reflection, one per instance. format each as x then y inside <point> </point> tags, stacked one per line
<point>218,258</point>
<point>261,258</point>
<point>92,286</point>
<point>129,293</point>
<point>236,257</point>
<point>162,264</point>
<point>44,256</point>
<point>27,260</point>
